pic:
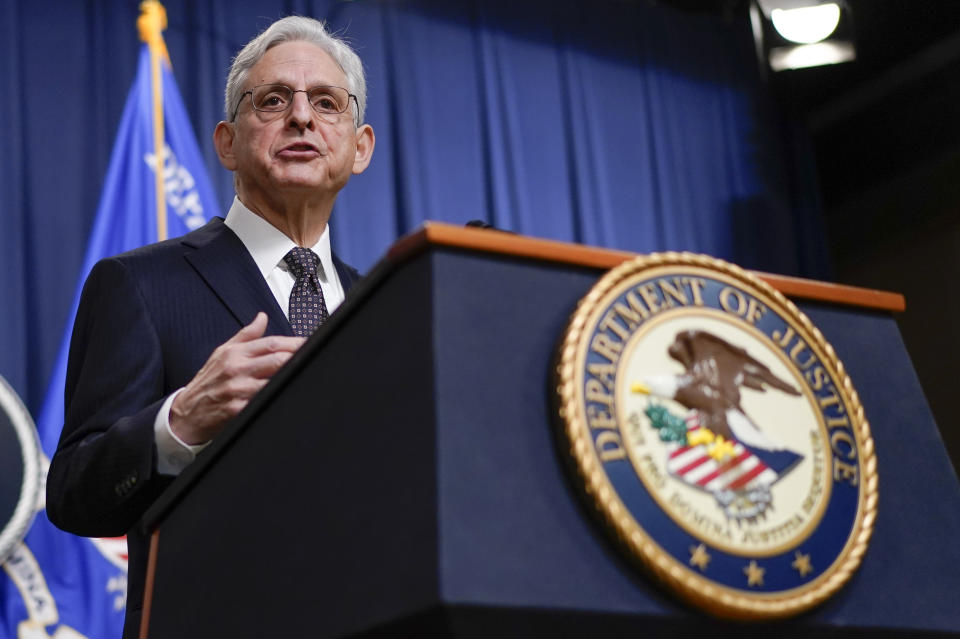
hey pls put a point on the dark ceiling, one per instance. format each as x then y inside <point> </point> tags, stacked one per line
<point>887,33</point>
<point>893,108</point>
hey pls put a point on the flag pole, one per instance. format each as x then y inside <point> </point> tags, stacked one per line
<point>150,24</point>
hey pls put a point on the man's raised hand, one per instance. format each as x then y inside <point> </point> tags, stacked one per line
<point>235,371</point>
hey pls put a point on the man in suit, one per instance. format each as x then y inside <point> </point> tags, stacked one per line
<point>173,339</point>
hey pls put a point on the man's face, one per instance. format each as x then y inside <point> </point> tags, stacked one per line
<point>295,153</point>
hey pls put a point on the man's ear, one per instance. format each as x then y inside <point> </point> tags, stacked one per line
<point>223,137</point>
<point>365,143</point>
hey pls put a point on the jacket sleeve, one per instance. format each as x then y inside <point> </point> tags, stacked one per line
<point>103,475</point>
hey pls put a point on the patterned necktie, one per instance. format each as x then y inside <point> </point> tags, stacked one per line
<point>307,308</point>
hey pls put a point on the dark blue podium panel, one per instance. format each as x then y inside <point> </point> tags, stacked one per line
<point>510,534</point>
<point>402,478</point>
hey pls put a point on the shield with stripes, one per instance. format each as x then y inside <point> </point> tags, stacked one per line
<point>737,475</point>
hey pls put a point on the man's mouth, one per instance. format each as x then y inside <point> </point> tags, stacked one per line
<point>300,149</point>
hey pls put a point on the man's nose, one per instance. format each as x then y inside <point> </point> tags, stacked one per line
<point>301,113</point>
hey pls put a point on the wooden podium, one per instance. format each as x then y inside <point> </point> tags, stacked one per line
<point>399,477</point>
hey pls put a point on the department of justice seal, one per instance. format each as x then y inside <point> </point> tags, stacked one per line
<point>718,435</point>
<point>20,470</point>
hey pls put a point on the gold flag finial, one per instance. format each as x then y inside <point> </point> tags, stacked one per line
<point>150,24</point>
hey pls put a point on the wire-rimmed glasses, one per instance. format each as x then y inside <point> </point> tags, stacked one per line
<point>277,98</point>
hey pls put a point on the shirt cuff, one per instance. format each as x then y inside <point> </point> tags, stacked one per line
<point>173,454</point>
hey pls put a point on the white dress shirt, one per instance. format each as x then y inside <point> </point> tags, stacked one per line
<point>268,246</point>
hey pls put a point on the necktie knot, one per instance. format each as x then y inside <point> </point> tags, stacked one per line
<point>302,262</point>
<point>307,309</point>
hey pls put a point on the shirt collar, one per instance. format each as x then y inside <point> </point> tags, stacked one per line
<point>268,245</point>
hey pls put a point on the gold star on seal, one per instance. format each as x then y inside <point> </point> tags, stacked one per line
<point>802,564</point>
<point>754,574</point>
<point>699,557</point>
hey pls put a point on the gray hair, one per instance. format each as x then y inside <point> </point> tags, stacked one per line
<point>296,29</point>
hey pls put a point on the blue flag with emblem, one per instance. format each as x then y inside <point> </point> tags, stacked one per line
<point>55,584</point>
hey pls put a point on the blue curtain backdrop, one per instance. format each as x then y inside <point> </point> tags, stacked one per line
<point>611,123</point>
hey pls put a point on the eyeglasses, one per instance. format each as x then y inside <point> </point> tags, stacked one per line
<point>277,98</point>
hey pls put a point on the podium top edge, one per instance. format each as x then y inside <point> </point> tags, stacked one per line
<point>506,243</point>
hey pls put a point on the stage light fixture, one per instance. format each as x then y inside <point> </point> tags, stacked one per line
<point>806,25</point>
<point>795,34</point>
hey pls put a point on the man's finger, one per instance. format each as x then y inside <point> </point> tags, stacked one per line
<point>264,366</point>
<point>253,330</point>
<point>272,344</point>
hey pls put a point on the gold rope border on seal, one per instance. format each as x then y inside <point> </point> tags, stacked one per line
<point>696,589</point>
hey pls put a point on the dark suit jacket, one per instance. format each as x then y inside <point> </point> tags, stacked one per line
<point>147,322</point>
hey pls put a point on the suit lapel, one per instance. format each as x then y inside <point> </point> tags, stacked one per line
<point>228,269</point>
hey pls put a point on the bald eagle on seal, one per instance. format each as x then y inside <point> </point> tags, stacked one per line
<point>715,371</point>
